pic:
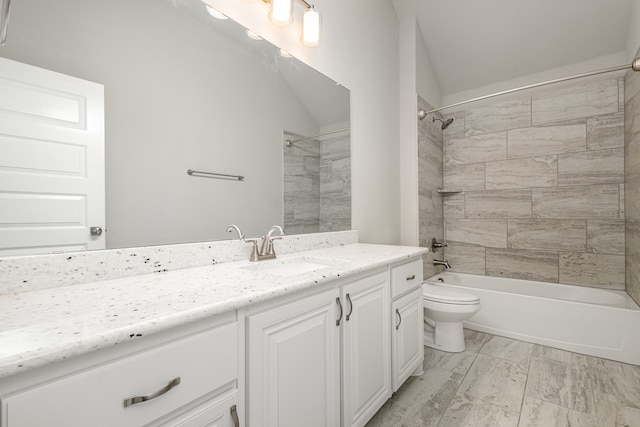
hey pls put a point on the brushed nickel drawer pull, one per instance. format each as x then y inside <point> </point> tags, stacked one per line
<point>137,399</point>
<point>413,276</point>
<point>350,307</point>
<point>339,305</point>
<point>234,416</point>
<point>400,317</point>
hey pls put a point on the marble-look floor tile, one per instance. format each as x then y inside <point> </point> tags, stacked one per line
<point>421,401</point>
<point>618,381</point>
<point>627,417</point>
<point>496,381</point>
<point>537,413</point>
<point>466,411</point>
<point>576,360</point>
<point>560,384</point>
<point>509,349</point>
<point>456,362</point>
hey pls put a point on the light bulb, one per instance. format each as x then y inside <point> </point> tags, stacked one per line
<point>281,12</point>
<point>311,27</point>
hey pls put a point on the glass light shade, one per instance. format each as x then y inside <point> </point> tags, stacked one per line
<point>281,12</point>
<point>215,13</point>
<point>253,35</point>
<point>311,27</point>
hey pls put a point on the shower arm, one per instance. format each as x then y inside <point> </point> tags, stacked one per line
<point>635,66</point>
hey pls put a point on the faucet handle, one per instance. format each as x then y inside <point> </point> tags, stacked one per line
<point>254,250</point>
<point>271,249</point>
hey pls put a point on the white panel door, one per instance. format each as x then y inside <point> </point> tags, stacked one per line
<point>408,337</point>
<point>366,348</point>
<point>51,161</point>
<point>293,357</point>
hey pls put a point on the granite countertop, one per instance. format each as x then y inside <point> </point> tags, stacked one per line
<point>44,326</point>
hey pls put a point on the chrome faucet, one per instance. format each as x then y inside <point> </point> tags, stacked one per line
<point>267,250</point>
<point>237,229</point>
<point>446,264</point>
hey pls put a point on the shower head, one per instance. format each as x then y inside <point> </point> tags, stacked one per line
<point>445,123</point>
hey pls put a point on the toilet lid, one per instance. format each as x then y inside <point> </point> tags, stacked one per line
<point>447,295</point>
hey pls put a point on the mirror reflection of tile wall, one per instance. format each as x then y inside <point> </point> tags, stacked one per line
<point>317,185</point>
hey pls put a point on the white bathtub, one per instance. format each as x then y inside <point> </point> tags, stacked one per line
<point>584,320</point>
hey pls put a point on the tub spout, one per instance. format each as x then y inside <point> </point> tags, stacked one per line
<point>446,264</point>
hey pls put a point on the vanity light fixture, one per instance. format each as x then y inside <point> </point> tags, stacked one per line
<point>281,13</point>
<point>215,13</point>
<point>311,27</point>
<point>253,35</point>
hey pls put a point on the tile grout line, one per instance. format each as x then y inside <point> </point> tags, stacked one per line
<point>526,383</point>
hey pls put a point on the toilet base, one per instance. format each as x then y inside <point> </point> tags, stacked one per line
<point>446,336</point>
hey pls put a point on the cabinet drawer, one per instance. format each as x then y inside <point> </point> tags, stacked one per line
<point>406,277</point>
<point>95,397</point>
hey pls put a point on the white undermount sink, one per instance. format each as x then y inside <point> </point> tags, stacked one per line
<point>293,267</point>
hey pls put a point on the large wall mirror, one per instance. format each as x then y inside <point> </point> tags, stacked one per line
<point>183,90</point>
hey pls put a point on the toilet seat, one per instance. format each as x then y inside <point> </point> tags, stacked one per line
<point>447,295</point>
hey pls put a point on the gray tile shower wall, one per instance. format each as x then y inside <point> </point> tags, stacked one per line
<point>542,180</point>
<point>632,181</point>
<point>335,183</point>
<point>317,185</point>
<point>429,181</point>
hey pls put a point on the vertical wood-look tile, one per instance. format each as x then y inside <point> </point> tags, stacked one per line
<point>605,132</point>
<point>584,201</point>
<point>482,232</point>
<point>498,116</point>
<point>498,204</point>
<point>591,167</point>
<point>605,236</point>
<point>475,149</point>
<point>522,264</point>
<point>522,173</point>
<point>622,202</point>
<point>595,270</point>
<point>547,234</point>
<point>546,140</point>
<point>592,98</point>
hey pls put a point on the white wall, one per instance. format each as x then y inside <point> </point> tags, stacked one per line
<point>210,107</point>
<point>633,37</point>
<point>360,51</point>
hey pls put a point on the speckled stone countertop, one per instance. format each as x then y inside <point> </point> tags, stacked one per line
<point>44,326</point>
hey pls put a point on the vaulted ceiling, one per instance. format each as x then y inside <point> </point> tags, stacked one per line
<point>475,43</point>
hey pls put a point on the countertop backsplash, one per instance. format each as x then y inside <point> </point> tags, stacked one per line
<point>37,272</point>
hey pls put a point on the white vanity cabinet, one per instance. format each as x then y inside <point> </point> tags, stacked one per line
<point>366,348</point>
<point>190,380</point>
<point>297,350</point>
<point>408,328</point>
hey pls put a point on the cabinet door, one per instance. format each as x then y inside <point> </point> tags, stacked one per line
<point>218,412</point>
<point>408,336</point>
<point>293,360</point>
<point>366,348</point>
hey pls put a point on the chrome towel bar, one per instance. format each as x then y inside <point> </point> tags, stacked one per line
<point>214,175</point>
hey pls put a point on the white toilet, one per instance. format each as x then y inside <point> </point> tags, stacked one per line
<point>445,308</point>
